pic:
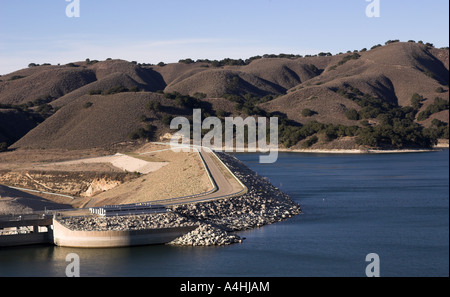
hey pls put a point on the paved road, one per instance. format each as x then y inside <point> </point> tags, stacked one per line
<point>226,184</point>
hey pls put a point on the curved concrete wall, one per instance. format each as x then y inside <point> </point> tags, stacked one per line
<point>65,237</point>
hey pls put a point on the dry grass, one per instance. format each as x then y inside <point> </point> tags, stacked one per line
<point>183,176</point>
<point>43,81</point>
<point>108,121</point>
<point>393,72</point>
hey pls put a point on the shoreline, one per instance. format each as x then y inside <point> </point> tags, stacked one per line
<point>218,220</point>
<point>347,151</point>
<point>351,151</point>
<point>360,151</point>
<point>263,204</point>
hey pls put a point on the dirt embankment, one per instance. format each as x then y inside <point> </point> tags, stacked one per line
<point>96,178</point>
<point>183,176</point>
<point>84,184</point>
<point>17,202</point>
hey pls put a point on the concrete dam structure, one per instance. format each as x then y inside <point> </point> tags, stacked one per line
<point>65,237</point>
<point>25,230</point>
<point>47,230</point>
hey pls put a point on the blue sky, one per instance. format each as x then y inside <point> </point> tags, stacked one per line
<point>150,31</point>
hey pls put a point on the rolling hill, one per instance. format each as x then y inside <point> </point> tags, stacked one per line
<point>338,101</point>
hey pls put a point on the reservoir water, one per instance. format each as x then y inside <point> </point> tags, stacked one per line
<point>394,205</point>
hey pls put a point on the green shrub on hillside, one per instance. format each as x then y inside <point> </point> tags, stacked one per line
<point>166,119</point>
<point>45,110</point>
<point>376,46</point>
<point>154,106</point>
<point>199,96</point>
<point>143,133</point>
<point>416,101</point>
<point>438,130</point>
<point>37,115</point>
<point>116,90</point>
<point>310,142</point>
<point>91,62</point>
<point>396,128</point>
<point>438,106</point>
<point>221,113</point>
<point>354,56</point>
<point>308,112</point>
<point>95,92</point>
<point>429,74</point>
<point>314,69</point>
<point>16,77</point>
<point>87,104</point>
<point>402,133</point>
<point>188,102</point>
<point>3,147</point>
<point>290,132</point>
<point>440,90</point>
<point>186,61</point>
<point>352,114</point>
<point>332,68</point>
<point>391,41</point>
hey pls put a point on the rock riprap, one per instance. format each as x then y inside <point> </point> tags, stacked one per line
<point>263,204</point>
<point>204,235</point>
<point>121,223</point>
<point>207,235</point>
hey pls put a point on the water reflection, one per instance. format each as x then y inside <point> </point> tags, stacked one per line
<point>348,213</point>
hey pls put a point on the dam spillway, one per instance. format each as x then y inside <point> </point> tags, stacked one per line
<point>40,229</point>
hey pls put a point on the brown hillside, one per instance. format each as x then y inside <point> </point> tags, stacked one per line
<point>175,72</point>
<point>286,73</point>
<point>109,120</point>
<point>56,81</point>
<point>43,81</point>
<point>392,73</point>
<point>217,82</point>
<point>442,55</point>
<point>104,84</point>
<point>329,107</point>
<point>13,125</point>
<point>144,76</point>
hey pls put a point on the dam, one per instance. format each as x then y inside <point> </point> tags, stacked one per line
<point>25,230</point>
<point>108,239</point>
<point>42,229</point>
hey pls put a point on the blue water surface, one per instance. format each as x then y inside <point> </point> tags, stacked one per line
<point>394,205</point>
